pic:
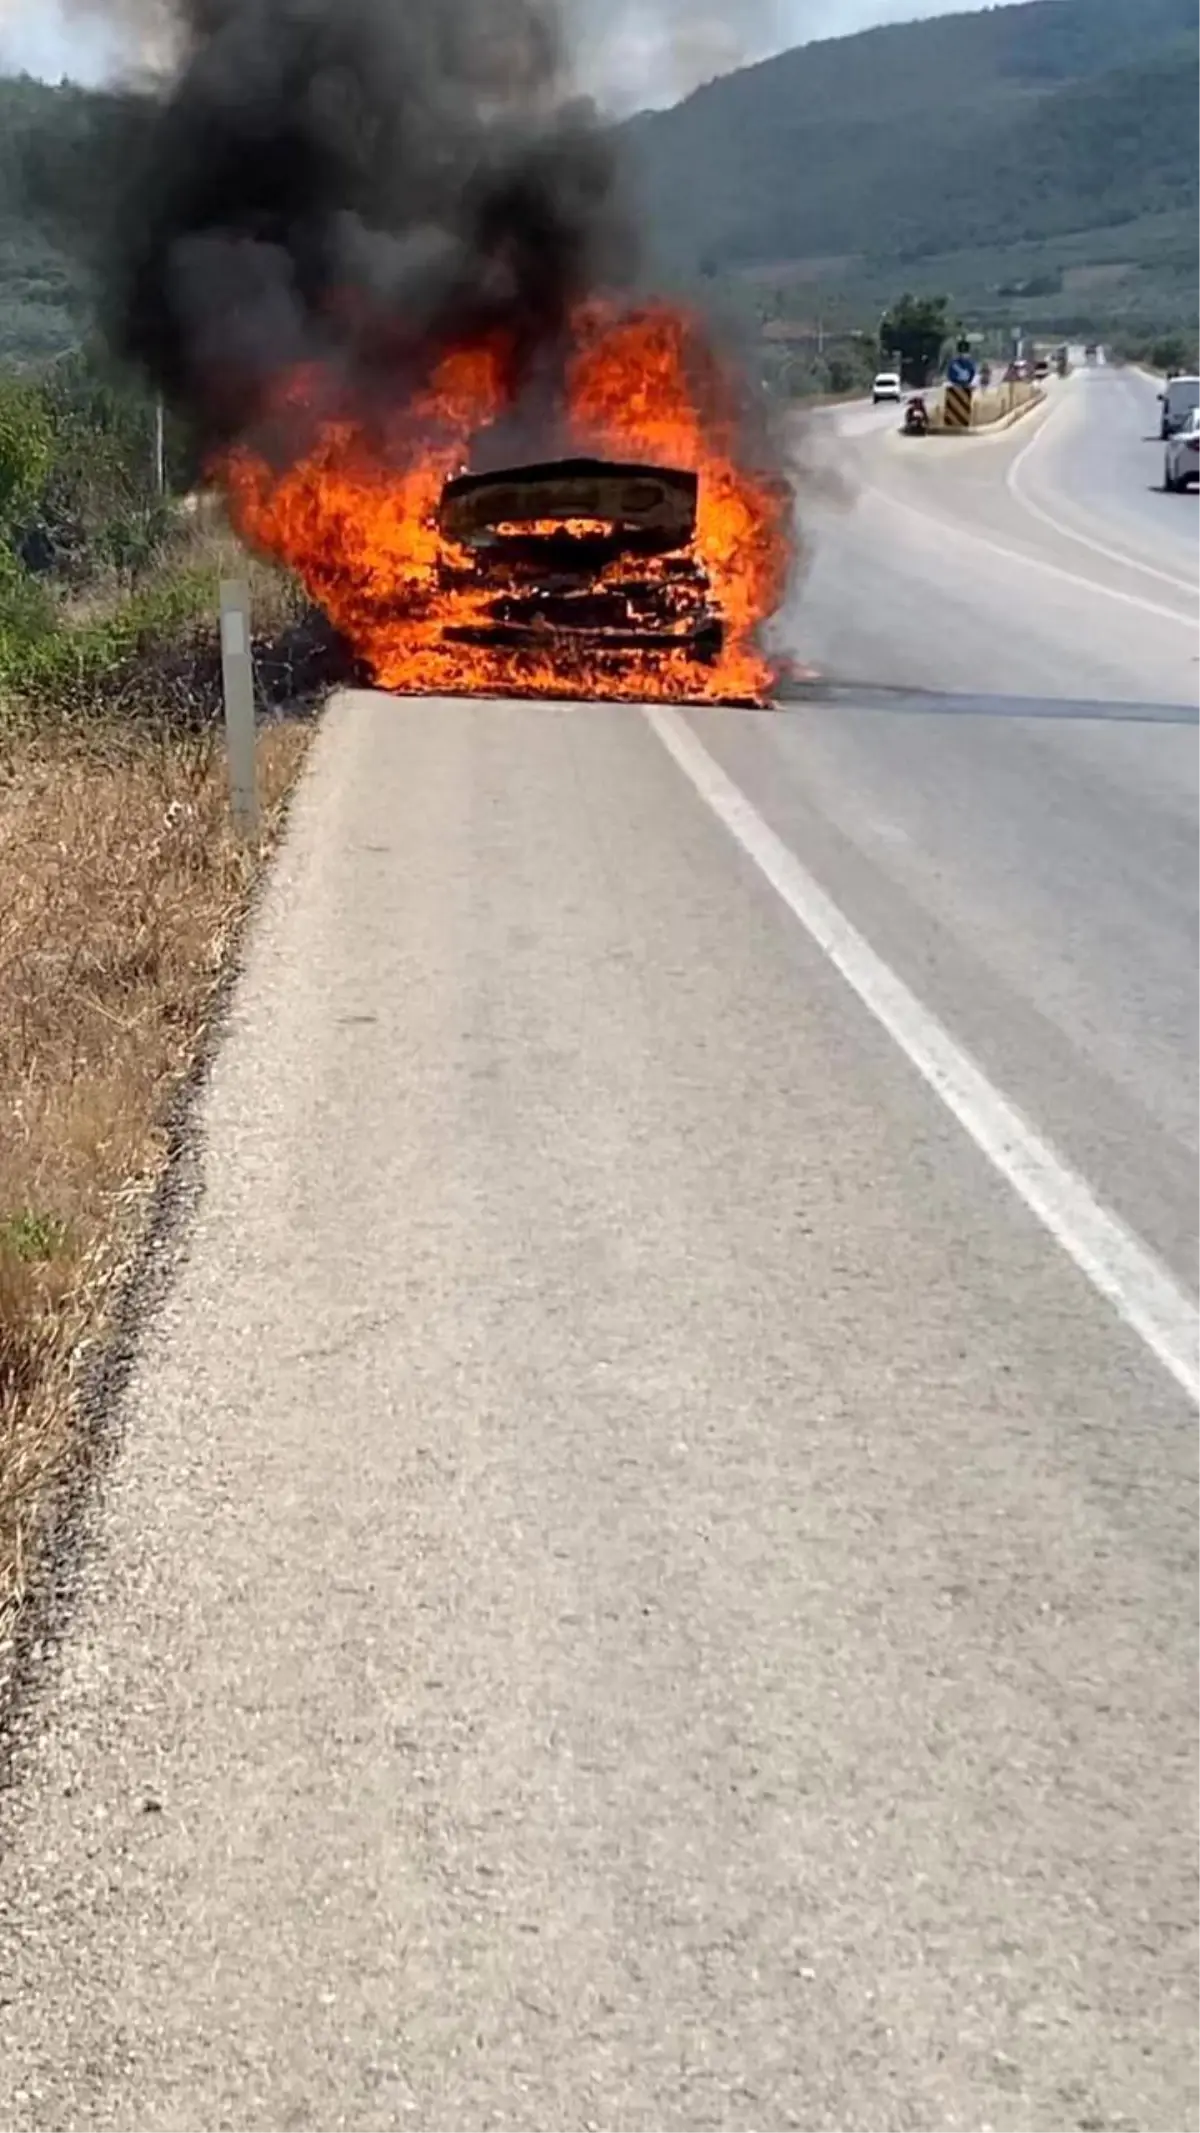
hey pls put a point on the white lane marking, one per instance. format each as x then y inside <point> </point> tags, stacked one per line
<point>1057,525</point>
<point>959,531</point>
<point>1116,1262</point>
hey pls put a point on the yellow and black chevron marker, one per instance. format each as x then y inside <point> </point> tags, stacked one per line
<point>956,407</point>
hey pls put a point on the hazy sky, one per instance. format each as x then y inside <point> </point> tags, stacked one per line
<point>652,66</point>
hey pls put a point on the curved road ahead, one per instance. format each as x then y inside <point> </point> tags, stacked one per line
<point>1041,562</point>
<point>1097,470</point>
<point>647,1574</point>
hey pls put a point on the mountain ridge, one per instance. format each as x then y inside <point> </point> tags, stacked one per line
<point>1023,122</point>
<point>1052,142</point>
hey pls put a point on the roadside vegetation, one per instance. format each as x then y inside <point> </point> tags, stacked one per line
<point>829,365</point>
<point>1161,351</point>
<point>122,884</point>
<point>913,336</point>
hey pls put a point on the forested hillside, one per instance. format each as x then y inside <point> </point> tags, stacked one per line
<point>40,288</point>
<point>63,157</point>
<point>1012,126</point>
<point>1051,145</point>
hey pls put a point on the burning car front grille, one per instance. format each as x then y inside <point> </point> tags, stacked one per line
<point>596,557</point>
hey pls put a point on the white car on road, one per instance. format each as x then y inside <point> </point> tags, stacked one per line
<point>1181,460</point>
<point>1177,401</point>
<point>886,387</point>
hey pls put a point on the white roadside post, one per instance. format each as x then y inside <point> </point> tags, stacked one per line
<point>238,676</point>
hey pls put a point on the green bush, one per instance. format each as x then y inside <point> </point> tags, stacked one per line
<point>55,666</point>
<point>106,611</point>
<point>1172,352</point>
<point>26,448</point>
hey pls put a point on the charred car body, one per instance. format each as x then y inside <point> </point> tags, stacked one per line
<point>597,554</point>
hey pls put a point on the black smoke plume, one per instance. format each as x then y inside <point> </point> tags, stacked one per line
<point>358,183</point>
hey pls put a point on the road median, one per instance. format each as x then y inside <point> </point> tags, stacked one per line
<point>992,410</point>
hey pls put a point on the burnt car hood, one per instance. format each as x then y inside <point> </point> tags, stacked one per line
<point>635,502</point>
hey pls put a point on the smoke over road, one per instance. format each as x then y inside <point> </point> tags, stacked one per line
<point>626,53</point>
<point>352,182</point>
<point>345,181</point>
<point>356,185</point>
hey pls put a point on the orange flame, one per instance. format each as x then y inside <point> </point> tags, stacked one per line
<point>356,515</point>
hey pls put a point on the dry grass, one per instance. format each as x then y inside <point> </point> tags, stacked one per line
<point>121,889</point>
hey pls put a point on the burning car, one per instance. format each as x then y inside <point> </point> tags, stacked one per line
<point>642,564</point>
<point>598,556</point>
<point>411,269</point>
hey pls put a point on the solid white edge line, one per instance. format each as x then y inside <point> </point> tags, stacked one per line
<point>1056,525</point>
<point>962,532</point>
<point>1115,1261</point>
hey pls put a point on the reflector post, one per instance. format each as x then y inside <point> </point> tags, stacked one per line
<point>237,674</point>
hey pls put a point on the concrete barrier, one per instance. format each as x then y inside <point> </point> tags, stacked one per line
<point>994,408</point>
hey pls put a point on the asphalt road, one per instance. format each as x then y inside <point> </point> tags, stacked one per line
<point>1099,473</point>
<point>938,567</point>
<point>648,1580</point>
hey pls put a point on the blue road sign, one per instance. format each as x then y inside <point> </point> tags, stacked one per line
<point>960,370</point>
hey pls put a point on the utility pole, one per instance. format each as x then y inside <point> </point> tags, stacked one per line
<point>160,447</point>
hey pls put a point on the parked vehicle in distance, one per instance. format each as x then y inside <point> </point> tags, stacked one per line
<point>886,387</point>
<point>1177,400</point>
<point>1181,460</point>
